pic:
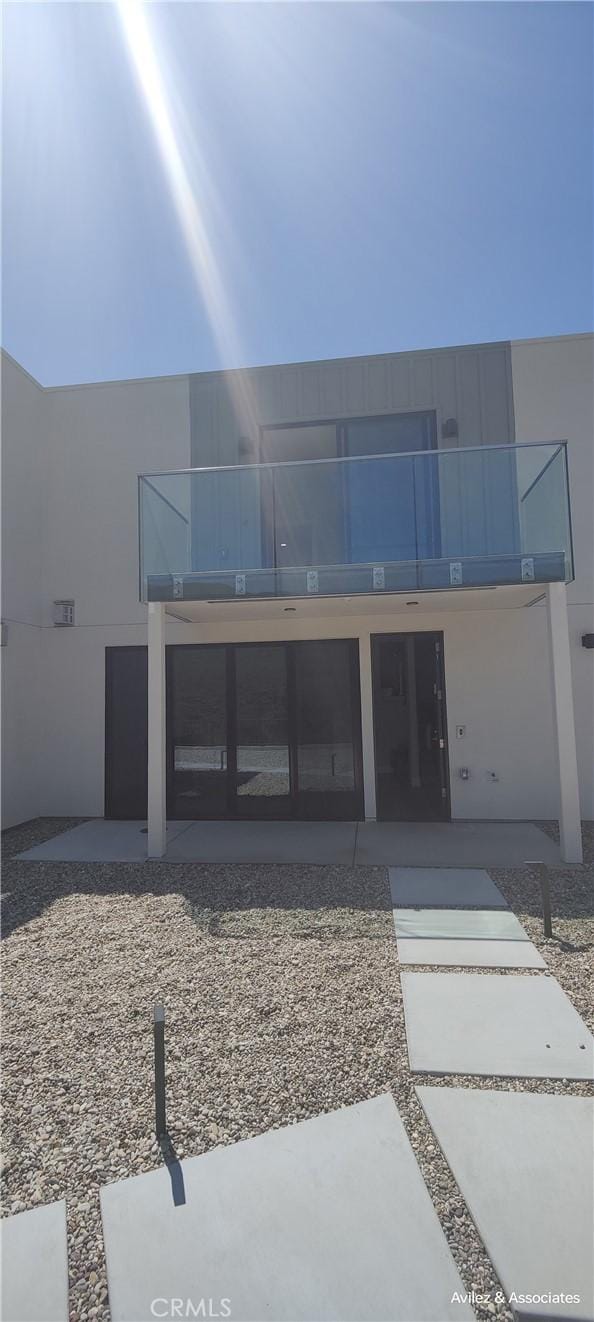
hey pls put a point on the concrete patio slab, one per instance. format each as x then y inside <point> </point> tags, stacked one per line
<point>35,1265</point>
<point>514,1026</point>
<point>438,887</point>
<point>100,841</point>
<point>348,843</point>
<point>524,1164</point>
<point>328,1219</point>
<point>266,842</point>
<point>454,844</point>
<point>470,954</point>
<point>456,924</point>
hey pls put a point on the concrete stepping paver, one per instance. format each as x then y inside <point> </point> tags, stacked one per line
<point>524,1165</point>
<point>487,938</point>
<point>459,924</point>
<point>35,1265</point>
<point>436,888</point>
<point>471,954</point>
<point>328,1219</point>
<point>509,1025</point>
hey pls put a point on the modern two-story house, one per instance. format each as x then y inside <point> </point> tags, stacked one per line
<point>353,589</point>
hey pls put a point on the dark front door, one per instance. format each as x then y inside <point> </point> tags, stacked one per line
<point>126,732</point>
<point>410,728</point>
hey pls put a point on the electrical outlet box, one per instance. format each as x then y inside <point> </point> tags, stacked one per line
<point>460,732</point>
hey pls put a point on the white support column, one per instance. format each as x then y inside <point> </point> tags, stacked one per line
<point>570,828</point>
<point>367,739</point>
<point>414,772</point>
<point>157,767</point>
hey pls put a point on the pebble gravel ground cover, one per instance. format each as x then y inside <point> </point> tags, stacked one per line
<point>283,1000</point>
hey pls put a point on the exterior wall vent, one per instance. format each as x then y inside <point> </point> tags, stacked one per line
<point>64,614</point>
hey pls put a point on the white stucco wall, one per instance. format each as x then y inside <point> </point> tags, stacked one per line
<point>553,384</point>
<point>70,463</point>
<point>100,438</point>
<point>71,457</point>
<point>24,478</point>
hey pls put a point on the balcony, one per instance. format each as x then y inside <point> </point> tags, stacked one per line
<point>424,521</point>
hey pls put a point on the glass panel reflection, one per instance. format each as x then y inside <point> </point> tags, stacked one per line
<point>262,722</point>
<point>324,718</point>
<point>197,711</point>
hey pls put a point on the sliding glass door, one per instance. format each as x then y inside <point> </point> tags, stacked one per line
<point>364,512</point>
<point>264,731</point>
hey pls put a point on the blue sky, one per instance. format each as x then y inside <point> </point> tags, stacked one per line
<point>308,181</point>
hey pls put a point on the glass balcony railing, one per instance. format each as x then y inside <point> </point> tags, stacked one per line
<point>434,519</point>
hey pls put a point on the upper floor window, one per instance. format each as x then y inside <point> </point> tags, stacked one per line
<point>394,433</point>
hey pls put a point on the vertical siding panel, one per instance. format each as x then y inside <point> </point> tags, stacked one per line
<point>331,391</point>
<point>288,393</point>
<point>355,387</point>
<point>445,392</point>
<point>496,430</point>
<point>399,375</point>
<point>378,391</point>
<point>445,399</point>
<point>309,392</point>
<point>203,432</point>
<point>469,399</point>
<point>470,434</point>
<point>263,387</point>
<point>498,469</point>
<point>422,385</point>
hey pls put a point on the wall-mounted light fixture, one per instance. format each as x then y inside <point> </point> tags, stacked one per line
<point>64,613</point>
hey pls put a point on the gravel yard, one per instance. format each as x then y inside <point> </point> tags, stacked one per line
<point>283,999</point>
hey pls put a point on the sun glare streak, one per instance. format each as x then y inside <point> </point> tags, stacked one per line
<point>185,191</point>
